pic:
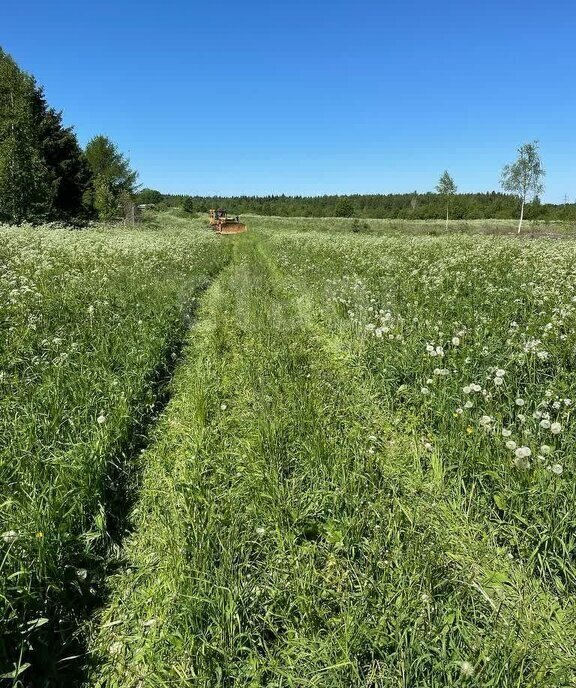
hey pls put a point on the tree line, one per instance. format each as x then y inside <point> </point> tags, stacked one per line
<point>410,206</point>
<point>45,175</point>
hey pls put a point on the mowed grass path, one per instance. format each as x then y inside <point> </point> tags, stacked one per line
<point>287,535</point>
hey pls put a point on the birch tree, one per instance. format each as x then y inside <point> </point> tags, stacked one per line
<point>447,188</point>
<point>523,177</point>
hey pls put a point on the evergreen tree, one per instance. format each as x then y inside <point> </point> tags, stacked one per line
<point>112,177</point>
<point>68,170</point>
<point>344,208</point>
<point>24,180</point>
<point>188,204</point>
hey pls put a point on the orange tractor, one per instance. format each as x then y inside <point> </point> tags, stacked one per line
<point>222,224</point>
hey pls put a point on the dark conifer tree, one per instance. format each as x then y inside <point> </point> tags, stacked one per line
<point>25,192</point>
<point>68,169</point>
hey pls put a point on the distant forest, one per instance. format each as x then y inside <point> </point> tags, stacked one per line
<point>412,206</point>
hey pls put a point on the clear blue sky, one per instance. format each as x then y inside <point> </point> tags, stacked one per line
<point>310,97</point>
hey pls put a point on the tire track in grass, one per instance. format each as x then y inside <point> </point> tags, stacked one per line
<point>285,536</point>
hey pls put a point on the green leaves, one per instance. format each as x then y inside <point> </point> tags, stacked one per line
<point>43,173</point>
<point>112,176</point>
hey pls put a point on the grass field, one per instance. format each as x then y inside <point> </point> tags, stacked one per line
<point>90,322</point>
<point>364,476</point>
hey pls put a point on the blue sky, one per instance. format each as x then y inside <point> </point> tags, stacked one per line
<point>229,97</point>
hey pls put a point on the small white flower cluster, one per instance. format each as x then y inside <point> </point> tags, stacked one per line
<point>435,350</point>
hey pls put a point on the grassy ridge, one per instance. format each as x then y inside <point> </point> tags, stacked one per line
<point>89,321</point>
<point>288,534</point>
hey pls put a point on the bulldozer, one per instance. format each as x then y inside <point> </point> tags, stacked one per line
<point>222,224</point>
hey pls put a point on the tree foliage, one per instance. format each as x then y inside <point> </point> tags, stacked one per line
<point>523,177</point>
<point>344,208</point>
<point>24,181</point>
<point>43,171</point>
<point>188,204</point>
<point>150,197</point>
<point>68,169</point>
<point>446,187</point>
<point>429,206</point>
<point>112,177</point>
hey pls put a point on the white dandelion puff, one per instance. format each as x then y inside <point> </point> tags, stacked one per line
<point>556,428</point>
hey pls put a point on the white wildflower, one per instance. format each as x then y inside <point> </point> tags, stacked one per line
<point>557,469</point>
<point>556,428</point>
<point>510,444</point>
<point>115,648</point>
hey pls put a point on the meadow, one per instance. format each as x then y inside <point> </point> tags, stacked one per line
<point>364,475</point>
<point>91,321</point>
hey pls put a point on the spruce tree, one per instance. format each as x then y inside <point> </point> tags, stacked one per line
<point>68,169</point>
<point>24,181</point>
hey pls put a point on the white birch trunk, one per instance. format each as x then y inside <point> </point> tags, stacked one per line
<point>521,217</point>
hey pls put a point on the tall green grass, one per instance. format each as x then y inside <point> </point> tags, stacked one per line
<point>470,345</point>
<point>292,530</point>
<point>90,322</point>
